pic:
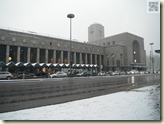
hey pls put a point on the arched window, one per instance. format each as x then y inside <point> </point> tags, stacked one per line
<point>136,52</point>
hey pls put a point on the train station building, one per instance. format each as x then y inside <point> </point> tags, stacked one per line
<point>119,52</point>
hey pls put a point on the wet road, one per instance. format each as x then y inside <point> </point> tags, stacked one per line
<point>21,94</point>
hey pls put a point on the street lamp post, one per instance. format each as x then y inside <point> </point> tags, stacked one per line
<point>71,61</point>
<point>152,58</point>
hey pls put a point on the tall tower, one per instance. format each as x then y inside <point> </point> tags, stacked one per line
<point>95,32</point>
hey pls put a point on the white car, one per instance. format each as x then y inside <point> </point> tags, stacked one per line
<point>134,72</point>
<point>101,73</point>
<point>5,75</point>
<point>115,73</point>
<point>58,74</point>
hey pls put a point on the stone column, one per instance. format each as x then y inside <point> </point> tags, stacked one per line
<point>91,59</point>
<point>37,55</point>
<point>74,58</point>
<point>28,54</point>
<point>86,58</point>
<point>18,54</point>
<point>54,57</point>
<point>100,60</point>
<point>46,58</point>
<point>95,59</point>
<point>61,57</point>
<point>68,57</point>
<point>7,53</point>
<point>80,58</point>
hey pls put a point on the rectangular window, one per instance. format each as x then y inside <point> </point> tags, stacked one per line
<point>13,54</point>
<point>23,54</point>
<point>33,55</point>
<point>3,53</point>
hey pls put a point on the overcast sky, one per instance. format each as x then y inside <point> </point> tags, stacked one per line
<point>50,17</point>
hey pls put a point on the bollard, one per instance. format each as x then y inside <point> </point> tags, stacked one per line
<point>23,75</point>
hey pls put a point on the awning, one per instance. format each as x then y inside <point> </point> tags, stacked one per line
<point>56,65</point>
<point>87,65</point>
<point>2,64</point>
<point>62,65</point>
<point>83,65</point>
<point>10,64</point>
<point>28,64</point>
<point>43,65</point>
<point>19,64</point>
<point>74,65</point>
<point>35,65</point>
<point>50,65</point>
<point>78,65</point>
<point>67,65</point>
<point>95,66</point>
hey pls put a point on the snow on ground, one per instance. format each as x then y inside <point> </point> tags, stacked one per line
<point>137,104</point>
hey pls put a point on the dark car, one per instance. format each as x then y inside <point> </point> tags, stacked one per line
<point>84,73</point>
<point>25,75</point>
<point>72,73</point>
<point>42,75</point>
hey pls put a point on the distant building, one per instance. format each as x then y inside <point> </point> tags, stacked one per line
<point>123,51</point>
<point>95,32</point>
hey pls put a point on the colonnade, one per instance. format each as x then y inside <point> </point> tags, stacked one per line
<point>40,55</point>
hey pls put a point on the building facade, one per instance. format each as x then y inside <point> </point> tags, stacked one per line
<point>25,47</point>
<point>123,51</point>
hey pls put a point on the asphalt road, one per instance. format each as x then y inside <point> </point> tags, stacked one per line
<point>29,93</point>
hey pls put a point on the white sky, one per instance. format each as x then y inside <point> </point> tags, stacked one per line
<point>50,17</point>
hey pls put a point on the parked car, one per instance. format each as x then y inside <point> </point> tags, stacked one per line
<point>41,75</point>
<point>133,72</point>
<point>72,73</point>
<point>101,73</point>
<point>5,75</point>
<point>25,75</point>
<point>84,73</point>
<point>58,74</point>
<point>142,72</point>
<point>122,73</point>
<point>115,73</point>
<point>109,72</point>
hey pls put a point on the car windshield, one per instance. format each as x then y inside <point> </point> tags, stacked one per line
<point>59,72</point>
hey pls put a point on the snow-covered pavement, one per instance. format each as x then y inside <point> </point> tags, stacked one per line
<point>137,104</point>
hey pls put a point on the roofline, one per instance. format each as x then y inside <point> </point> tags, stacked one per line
<point>115,36</point>
<point>123,34</point>
<point>96,24</point>
<point>40,35</point>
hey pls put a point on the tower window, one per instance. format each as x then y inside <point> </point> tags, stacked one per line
<point>120,56</point>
